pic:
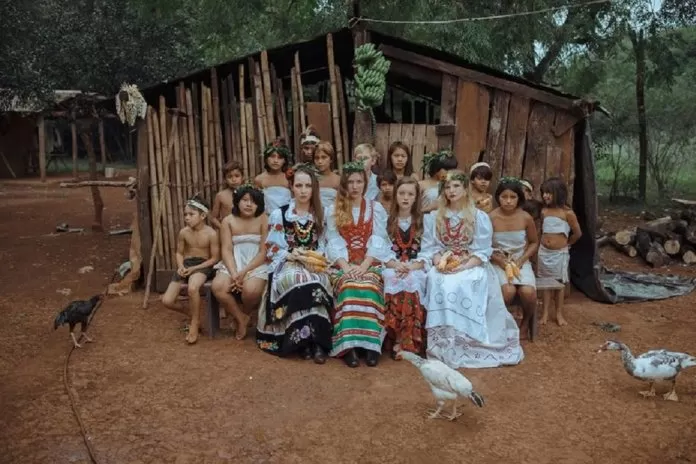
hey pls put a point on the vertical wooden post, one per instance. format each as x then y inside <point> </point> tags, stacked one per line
<point>73,133</point>
<point>42,148</point>
<point>448,108</point>
<point>362,127</point>
<point>143,195</point>
<point>335,107</point>
<point>102,144</point>
<point>300,92</point>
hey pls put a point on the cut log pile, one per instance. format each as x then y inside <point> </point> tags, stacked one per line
<point>659,242</point>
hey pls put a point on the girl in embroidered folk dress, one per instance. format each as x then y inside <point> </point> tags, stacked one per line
<point>294,316</point>
<point>435,167</point>
<point>242,273</point>
<point>405,276</point>
<point>329,181</point>
<point>308,144</point>
<point>515,241</point>
<point>357,244</point>
<point>366,154</point>
<point>399,160</point>
<point>276,158</point>
<point>467,322</point>
<point>559,231</point>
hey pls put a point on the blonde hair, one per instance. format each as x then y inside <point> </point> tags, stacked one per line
<point>364,148</point>
<point>344,208</point>
<point>468,208</point>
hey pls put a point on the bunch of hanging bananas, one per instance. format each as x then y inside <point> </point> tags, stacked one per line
<point>370,76</point>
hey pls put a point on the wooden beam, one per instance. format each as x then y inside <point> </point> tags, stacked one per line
<point>448,110</point>
<point>513,87</point>
<point>42,148</point>
<point>99,183</point>
<point>73,133</point>
<point>414,72</point>
<point>102,144</point>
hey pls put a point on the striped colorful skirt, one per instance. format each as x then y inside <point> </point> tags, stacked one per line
<point>358,319</point>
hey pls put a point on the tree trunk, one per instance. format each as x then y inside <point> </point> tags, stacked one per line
<point>638,41</point>
<point>97,226</point>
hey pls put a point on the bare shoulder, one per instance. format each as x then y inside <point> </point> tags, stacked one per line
<point>494,214</point>
<point>260,179</point>
<point>209,231</point>
<point>570,214</point>
<point>525,215</point>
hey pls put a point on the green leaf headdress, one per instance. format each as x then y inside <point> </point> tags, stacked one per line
<point>280,148</point>
<point>436,156</point>
<point>307,167</point>
<point>453,175</point>
<point>353,166</point>
<point>510,180</point>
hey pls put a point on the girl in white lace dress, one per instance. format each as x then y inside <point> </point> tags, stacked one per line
<point>405,276</point>
<point>276,159</point>
<point>467,322</point>
<point>241,275</point>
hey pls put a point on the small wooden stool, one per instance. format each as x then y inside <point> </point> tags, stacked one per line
<point>212,307</point>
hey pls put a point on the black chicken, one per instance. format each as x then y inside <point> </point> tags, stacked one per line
<point>77,311</point>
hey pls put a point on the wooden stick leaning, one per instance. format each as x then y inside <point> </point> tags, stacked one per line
<point>160,210</point>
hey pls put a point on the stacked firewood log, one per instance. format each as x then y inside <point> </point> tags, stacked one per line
<point>667,240</point>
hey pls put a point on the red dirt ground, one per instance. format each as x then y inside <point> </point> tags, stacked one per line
<point>147,397</point>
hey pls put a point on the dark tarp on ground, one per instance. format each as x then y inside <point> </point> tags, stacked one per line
<point>586,271</point>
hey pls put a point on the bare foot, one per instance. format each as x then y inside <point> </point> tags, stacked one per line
<point>544,319</point>
<point>561,321</point>
<point>242,326</point>
<point>192,336</point>
<point>524,331</point>
<point>647,394</point>
<point>671,396</point>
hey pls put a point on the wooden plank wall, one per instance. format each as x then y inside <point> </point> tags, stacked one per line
<point>518,136</point>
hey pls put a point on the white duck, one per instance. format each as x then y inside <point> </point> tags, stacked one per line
<point>446,383</point>
<point>653,366</point>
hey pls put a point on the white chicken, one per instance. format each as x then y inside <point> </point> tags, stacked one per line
<point>653,366</point>
<point>446,383</point>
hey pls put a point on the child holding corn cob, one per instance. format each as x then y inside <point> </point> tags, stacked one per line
<point>405,276</point>
<point>467,323</point>
<point>481,175</point>
<point>357,245</point>
<point>515,241</point>
<point>295,314</point>
<point>241,275</point>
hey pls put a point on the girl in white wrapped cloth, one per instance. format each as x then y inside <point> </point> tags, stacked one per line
<point>241,275</point>
<point>515,241</point>
<point>435,167</point>
<point>329,181</point>
<point>559,231</point>
<point>467,322</point>
<point>357,245</point>
<point>276,160</point>
<point>295,315</point>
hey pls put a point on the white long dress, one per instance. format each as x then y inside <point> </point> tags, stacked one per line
<point>467,322</point>
<point>276,196</point>
<point>245,248</point>
<point>429,196</point>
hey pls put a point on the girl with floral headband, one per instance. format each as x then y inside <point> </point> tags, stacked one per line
<point>276,158</point>
<point>467,322</point>
<point>241,275</point>
<point>329,181</point>
<point>295,315</point>
<point>357,245</point>
<point>435,167</point>
<point>515,242</point>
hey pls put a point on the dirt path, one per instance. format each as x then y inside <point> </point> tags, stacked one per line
<point>146,397</point>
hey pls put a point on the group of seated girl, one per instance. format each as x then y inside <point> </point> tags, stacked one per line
<point>330,272</point>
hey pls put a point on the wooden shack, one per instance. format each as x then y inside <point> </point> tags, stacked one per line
<point>433,100</point>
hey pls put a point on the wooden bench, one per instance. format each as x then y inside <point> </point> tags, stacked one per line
<point>212,307</point>
<point>543,284</point>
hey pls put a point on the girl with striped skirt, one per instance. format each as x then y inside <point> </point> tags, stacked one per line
<point>357,244</point>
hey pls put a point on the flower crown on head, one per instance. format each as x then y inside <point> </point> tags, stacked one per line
<point>353,166</point>
<point>277,147</point>
<point>308,167</point>
<point>430,158</point>
<point>460,176</point>
<point>247,185</point>
<point>510,180</point>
